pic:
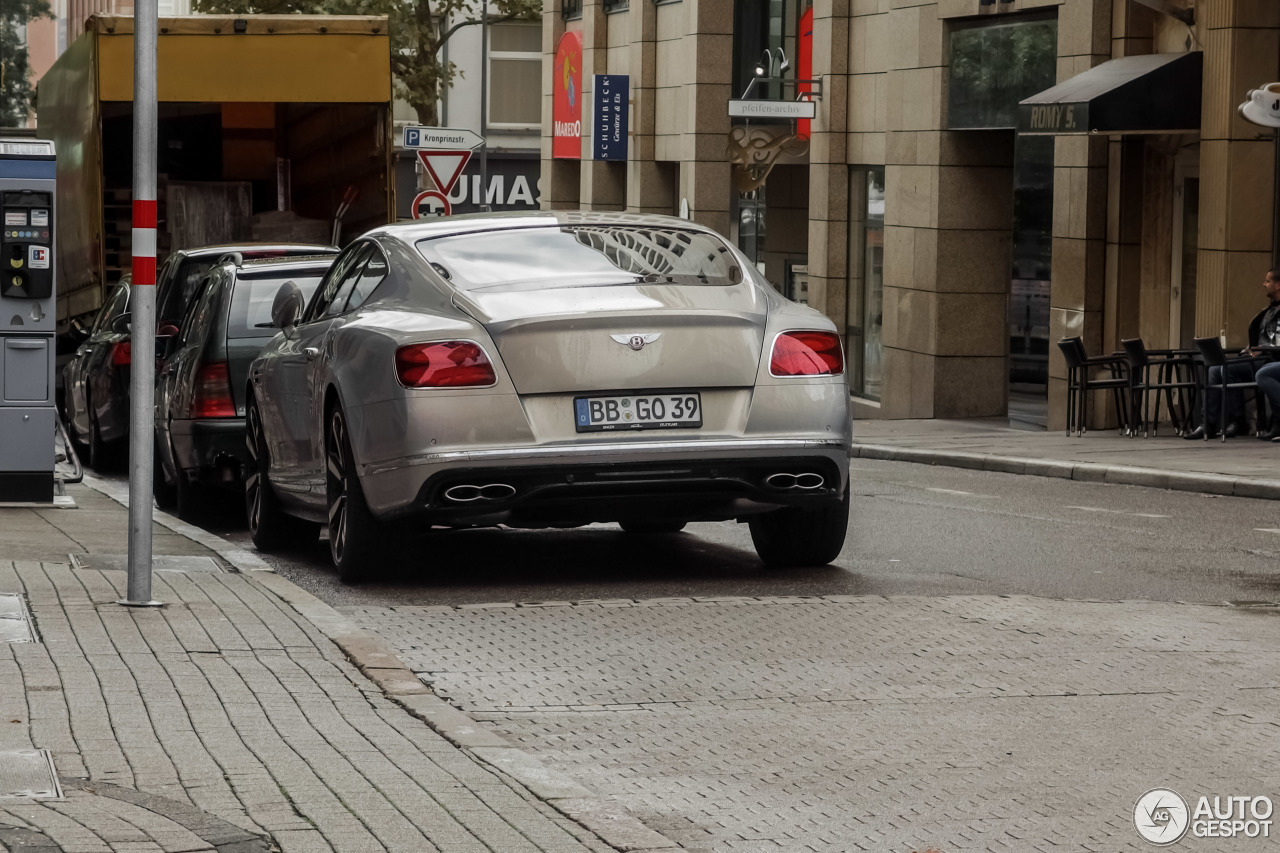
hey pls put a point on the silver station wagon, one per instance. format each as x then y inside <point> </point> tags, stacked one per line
<point>549,369</point>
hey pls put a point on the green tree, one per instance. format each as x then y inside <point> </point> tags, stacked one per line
<point>15,71</point>
<point>418,28</point>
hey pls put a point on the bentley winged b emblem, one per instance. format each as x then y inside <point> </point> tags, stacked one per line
<point>637,341</point>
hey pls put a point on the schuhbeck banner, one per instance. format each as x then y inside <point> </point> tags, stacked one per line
<point>566,102</point>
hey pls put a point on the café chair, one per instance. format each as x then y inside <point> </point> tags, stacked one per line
<point>1215,356</point>
<point>1081,380</point>
<point>1153,372</point>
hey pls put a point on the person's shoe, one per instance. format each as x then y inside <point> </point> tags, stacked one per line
<point>1201,433</point>
<point>1236,428</point>
<point>1272,434</point>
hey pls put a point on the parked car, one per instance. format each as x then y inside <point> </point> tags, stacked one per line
<point>95,381</point>
<point>199,423</point>
<point>547,370</point>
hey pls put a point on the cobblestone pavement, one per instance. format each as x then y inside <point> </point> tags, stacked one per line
<point>859,723</point>
<point>224,717</point>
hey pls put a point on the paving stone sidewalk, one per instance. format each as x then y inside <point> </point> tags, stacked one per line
<point>224,721</point>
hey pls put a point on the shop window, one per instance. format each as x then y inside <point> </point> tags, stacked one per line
<point>570,9</point>
<point>616,5</point>
<point>864,349</point>
<point>993,66</point>
<point>515,75</point>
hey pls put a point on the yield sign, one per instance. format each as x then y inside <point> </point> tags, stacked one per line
<point>444,167</point>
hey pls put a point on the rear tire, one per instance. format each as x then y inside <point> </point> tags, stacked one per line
<point>191,499</point>
<point>354,534</point>
<point>651,528</point>
<point>271,528</point>
<point>800,536</point>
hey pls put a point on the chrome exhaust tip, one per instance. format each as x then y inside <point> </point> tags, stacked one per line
<point>468,492</point>
<point>785,481</point>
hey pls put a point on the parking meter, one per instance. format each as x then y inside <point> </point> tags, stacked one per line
<point>27,320</point>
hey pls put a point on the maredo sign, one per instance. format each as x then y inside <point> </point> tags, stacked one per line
<point>566,101</point>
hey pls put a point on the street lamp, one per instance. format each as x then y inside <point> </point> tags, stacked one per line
<point>1262,107</point>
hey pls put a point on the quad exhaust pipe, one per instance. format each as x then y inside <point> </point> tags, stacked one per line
<point>786,481</point>
<point>468,493</point>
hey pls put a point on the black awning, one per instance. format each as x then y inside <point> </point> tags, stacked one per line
<point>1155,93</point>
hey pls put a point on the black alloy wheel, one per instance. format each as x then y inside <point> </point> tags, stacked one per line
<point>166,493</point>
<point>270,527</point>
<point>99,452</point>
<point>353,531</point>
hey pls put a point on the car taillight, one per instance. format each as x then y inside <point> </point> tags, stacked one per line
<point>212,397</point>
<point>447,364</point>
<point>806,354</point>
<point>121,354</point>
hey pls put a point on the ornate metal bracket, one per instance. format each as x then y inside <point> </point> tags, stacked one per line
<point>753,152</point>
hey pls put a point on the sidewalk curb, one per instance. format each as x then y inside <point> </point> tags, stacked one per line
<point>1088,472</point>
<point>379,663</point>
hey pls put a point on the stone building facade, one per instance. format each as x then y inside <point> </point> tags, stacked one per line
<point>951,238</point>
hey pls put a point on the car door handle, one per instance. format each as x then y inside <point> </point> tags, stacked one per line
<point>311,353</point>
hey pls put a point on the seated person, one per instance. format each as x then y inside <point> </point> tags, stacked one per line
<point>1264,331</point>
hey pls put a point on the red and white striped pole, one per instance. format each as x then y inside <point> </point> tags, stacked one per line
<point>142,304</point>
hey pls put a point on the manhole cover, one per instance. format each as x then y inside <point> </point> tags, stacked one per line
<point>162,563</point>
<point>15,625</point>
<point>28,773</point>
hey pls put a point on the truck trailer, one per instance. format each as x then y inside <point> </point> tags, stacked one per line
<point>271,127</point>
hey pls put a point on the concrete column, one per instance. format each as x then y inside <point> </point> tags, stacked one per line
<point>828,252</point>
<point>704,170</point>
<point>649,187</point>
<point>1078,291</point>
<point>1242,50</point>
<point>558,185</point>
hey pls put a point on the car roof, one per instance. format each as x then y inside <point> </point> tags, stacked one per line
<point>228,248</point>
<point>411,232</point>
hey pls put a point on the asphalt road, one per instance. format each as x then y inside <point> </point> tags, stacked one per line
<point>914,529</point>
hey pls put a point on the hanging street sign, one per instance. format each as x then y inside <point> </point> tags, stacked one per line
<point>772,109</point>
<point>441,138</point>
<point>566,99</point>
<point>610,125</point>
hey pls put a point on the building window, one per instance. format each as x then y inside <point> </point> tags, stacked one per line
<point>570,9</point>
<point>515,76</point>
<point>993,66</point>
<point>866,282</point>
<point>616,5</point>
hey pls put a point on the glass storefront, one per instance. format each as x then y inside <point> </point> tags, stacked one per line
<point>866,283</point>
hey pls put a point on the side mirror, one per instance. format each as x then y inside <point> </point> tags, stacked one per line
<point>286,308</point>
<point>120,325</point>
<point>77,332</point>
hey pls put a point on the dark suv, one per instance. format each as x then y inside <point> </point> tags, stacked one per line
<point>199,423</point>
<point>95,381</point>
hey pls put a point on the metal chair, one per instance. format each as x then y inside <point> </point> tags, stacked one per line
<point>1080,383</point>
<point>1215,356</point>
<point>1174,377</point>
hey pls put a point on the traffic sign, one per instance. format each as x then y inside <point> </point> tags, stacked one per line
<point>444,167</point>
<point>441,138</point>
<point>431,195</point>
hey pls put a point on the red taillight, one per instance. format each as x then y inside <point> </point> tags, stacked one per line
<point>447,364</point>
<point>213,392</point>
<point>807,354</point>
<point>121,354</point>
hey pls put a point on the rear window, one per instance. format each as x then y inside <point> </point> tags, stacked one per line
<point>581,256</point>
<point>251,300</point>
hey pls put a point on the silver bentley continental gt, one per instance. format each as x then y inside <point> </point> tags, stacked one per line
<point>541,370</point>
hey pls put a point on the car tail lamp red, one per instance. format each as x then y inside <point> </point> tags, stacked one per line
<point>212,397</point>
<point>807,354</point>
<point>444,364</point>
<point>121,354</point>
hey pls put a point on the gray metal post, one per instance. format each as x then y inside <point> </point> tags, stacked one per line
<point>484,108</point>
<point>142,303</point>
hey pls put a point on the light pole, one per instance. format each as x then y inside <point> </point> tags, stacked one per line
<point>484,108</point>
<point>142,299</point>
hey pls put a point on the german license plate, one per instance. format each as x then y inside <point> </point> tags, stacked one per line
<point>638,411</point>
